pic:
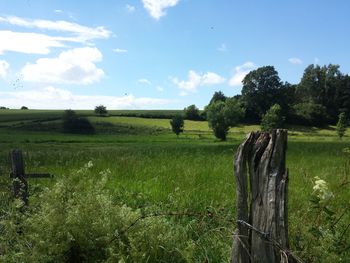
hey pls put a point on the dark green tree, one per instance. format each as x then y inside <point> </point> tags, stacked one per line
<point>323,86</point>
<point>24,108</point>
<point>260,91</point>
<point>310,114</point>
<point>218,96</point>
<point>223,115</point>
<point>273,118</point>
<point>341,125</point>
<point>101,110</point>
<point>74,124</point>
<point>192,113</point>
<point>177,124</point>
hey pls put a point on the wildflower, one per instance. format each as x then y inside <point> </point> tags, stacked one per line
<point>321,189</point>
<point>89,164</point>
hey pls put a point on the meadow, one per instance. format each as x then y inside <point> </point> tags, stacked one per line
<point>135,192</point>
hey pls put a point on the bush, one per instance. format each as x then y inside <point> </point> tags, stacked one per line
<point>74,124</point>
<point>24,108</point>
<point>78,220</point>
<point>341,125</point>
<point>101,110</point>
<point>192,113</point>
<point>223,115</point>
<point>273,119</point>
<point>309,114</point>
<point>177,124</point>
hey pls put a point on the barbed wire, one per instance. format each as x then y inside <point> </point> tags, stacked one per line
<point>267,237</point>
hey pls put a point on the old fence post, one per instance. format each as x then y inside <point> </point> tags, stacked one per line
<point>20,185</point>
<point>262,185</point>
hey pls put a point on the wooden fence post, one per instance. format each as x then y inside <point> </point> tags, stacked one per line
<point>262,203</point>
<point>20,185</point>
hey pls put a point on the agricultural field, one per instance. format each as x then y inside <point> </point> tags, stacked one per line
<point>136,192</point>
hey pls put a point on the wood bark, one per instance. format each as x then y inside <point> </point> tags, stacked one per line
<point>20,185</point>
<point>262,199</point>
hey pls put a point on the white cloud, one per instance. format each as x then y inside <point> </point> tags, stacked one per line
<point>144,81</point>
<point>196,80</point>
<point>75,66</point>
<point>54,98</point>
<point>58,11</point>
<point>39,43</point>
<point>156,8</point>
<point>240,72</point>
<point>4,67</point>
<point>119,50</point>
<point>222,47</point>
<point>80,33</point>
<point>29,43</point>
<point>296,61</point>
<point>160,88</point>
<point>130,8</point>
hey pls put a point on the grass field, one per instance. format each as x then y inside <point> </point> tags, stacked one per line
<point>149,170</point>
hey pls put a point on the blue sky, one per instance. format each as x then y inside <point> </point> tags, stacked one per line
<point>158,54</point>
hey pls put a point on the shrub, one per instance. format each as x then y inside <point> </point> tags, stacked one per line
<point>223,115</point>
<point>192,113</point>
<point>341,125</point>
<point>310,114</point>
<point>78,220</point>
<point>74,124</point>
<point>273,118</point>
<point>24,108</point>
<point>101,110</point>
<point>177,124</point>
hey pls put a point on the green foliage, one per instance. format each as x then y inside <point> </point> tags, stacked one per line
<point>192,113</point>
<point>260,90</point>
<point>223,115</point>
<point>24,108</point>
<point>273,119</point>
<point>341,125</point>
<point>218,96</point>
<point>101,110</point>
<point>310,113</point>
<point>177,124</point>
<point>74,124</point>
<point>324,86</point>
<point>79,220</point>
<point>324,237</point>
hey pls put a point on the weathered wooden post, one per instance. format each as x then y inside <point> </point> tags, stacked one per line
<point>20,185</point>
<point>262,185</point>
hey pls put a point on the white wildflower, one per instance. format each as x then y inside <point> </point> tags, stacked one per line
<point>89,164</point>
<point>321,189</point>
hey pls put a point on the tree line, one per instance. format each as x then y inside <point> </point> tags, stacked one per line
<point>322,94</point>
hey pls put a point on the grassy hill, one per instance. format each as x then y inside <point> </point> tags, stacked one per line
<point>136,166</point>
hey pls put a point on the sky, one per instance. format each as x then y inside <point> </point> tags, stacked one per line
<point>159,54</point>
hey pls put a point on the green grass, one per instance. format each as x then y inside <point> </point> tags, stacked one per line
<point>191,173</point>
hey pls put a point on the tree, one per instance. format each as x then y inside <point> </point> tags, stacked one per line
<point>223,115</point>
<point>177,124</point>
<point>192,113</point>
<point>101,110</point>
<point>309,114</point>
<point>341,125</point>
<point>260,91</point>
<point>24,108</point>
<point>322,85</point>
<point>74,124</point>
<point>218,96</point>
<point>273,118</point>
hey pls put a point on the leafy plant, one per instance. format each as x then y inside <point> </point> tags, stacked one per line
<point>101,110</point>
<point>273,118</point>
<point>341,125</point>
<point>177,124</point>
